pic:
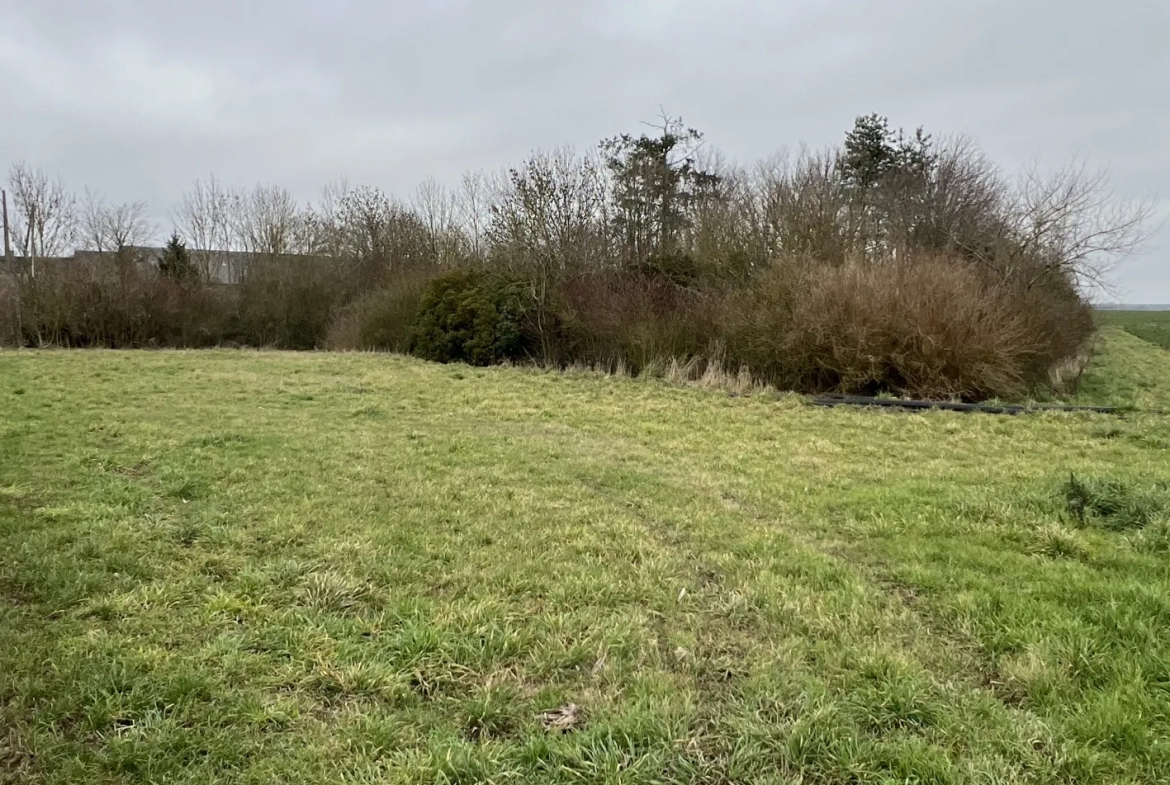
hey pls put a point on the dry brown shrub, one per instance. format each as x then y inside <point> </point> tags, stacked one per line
<point>926,326</point>
<point>636,319</point>
<point>120,303</point>
<point>381,318</point>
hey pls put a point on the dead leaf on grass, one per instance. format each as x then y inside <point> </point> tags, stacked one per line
<point>563,718</point>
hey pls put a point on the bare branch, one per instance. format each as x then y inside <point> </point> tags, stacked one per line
<point>110,228</point>
<point>44,213</point>
<point>203,218</point>
<point>474,210</point>
<point>1075,225</point>
<point>437,208</point>
<point>264,220</point>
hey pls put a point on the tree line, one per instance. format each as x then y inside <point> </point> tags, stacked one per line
<point>891,261</point>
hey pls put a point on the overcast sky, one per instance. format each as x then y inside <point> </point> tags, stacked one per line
<point>137,98</point>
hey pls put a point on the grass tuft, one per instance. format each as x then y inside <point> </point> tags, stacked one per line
<point>332,592</point>
<point>1115,504</point>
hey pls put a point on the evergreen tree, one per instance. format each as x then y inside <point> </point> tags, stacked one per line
<point>873,152</point>
<point>656,183</point>
<point>175,261</point>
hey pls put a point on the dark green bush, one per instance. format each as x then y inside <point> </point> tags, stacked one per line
<point>679,269</point>
<point>471,316</point>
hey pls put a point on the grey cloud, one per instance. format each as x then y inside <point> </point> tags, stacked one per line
<point>139,97</point>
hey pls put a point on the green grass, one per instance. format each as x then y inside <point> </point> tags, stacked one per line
<point>1152,326</point>
<point>273,567</point>
<point>1126,371</point>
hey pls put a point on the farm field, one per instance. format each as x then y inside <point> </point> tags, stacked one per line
<point>1153,326</point>
<point>254,567</point>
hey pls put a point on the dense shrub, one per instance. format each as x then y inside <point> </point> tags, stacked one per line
<point>381,319</point>
<point>120,303</point>
<point>1057,319</point>
<point>925,326</point>
<point>630,320</point>
<point>192,316</point>
<point>471,316</point>
<point>9,310</point>
<point>288,302</point>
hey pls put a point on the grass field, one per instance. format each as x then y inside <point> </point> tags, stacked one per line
<point>1153,326</point>
<point>273,567</point>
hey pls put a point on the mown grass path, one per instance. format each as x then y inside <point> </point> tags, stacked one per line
<point>1152,326</point>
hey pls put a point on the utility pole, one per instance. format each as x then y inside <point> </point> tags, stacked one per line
<point>10,267</point>
<point>31,242</point>
<point>7,242</point>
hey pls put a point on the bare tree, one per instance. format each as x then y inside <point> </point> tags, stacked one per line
<point>44,213</point>
<point>550,214</point>
<point>953,207</point>
<point>549,221</point>
<point>373,234</point>
<point>326,218</point>
<point>128,225</point>
<point>310,234</point>
<point>331,195</point>
<point>110,228</point>
<point>216,221</point>
<point>1072,222</point>
<point>363,218</point>
<point>437,207</point>
<point>203,217</point>
<point>801,208</point>
<point>721,236</point>
<point>92,218</point>
<point>474,209</point>
<point>264,220</point>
